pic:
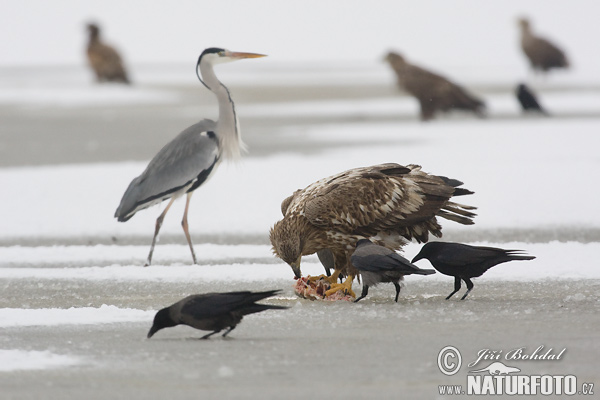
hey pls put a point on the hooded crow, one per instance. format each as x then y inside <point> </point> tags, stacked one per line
<point>212,311</point>
<point>379,264</point>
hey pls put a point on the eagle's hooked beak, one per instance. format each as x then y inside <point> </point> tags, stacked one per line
<point>296,268</point>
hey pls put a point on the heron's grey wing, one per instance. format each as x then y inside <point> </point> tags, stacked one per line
<point>181,165</point>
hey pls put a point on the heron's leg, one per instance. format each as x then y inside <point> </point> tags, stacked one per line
<point>456,287</point>
<point>397,286</point>
<point>184,224</point>
<point>365,291</point>
<point>159,222</point>
<point>469,287</point>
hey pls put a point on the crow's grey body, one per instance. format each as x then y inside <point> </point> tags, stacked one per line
<point>212,311</point>
<point>378,264</point>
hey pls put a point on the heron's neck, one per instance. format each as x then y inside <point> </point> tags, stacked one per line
<point>228,130</point>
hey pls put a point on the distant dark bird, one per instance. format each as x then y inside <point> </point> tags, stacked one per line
<point>188,160</point>
<point>542,54</point>
<point>212,311</point>
<point>465,262</point>
<point>434,92</point>
<point>389,203</point>
<point>104,59</point>
<point>378,264</point>
<point>528,100</point>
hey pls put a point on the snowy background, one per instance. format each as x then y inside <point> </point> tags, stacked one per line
<point>61,251</point>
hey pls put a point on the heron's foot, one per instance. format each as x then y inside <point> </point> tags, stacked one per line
<point>345,287</point>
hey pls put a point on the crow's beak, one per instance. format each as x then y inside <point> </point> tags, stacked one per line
<point>417,258</point>
<point>152,331</point>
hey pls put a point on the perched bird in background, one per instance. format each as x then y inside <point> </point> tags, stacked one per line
<point>104,59</point>
<point>542,55</point>
<point>212,311</point>
<point>378,264</point>
<point>465,262</point>
<point>434,92</point>
<point>188,160</point>
<point>528,100</point>
<point>388,203</point>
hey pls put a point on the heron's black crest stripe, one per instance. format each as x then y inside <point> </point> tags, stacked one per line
<point>210,50</point>
<point>202,176</point>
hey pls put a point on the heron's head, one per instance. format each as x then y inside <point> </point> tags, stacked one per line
<point>216,55</point>
<point>287,245</point>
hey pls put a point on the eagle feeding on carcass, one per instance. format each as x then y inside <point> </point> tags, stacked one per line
<point>389,204</point>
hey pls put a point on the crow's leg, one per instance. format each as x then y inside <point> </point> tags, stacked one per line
<point>456,287</point>
<point>469,287</point>
<point>397,286</point>
<point>210,334</point>
<point>228,330</point>
<point>365,291</point>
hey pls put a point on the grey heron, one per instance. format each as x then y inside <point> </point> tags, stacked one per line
<point>104,59</point>
<point>188,160</point>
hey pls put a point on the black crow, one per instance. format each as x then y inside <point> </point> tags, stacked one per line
<point>379,264</point>
<point>465,262</point>
<point>212,311</point>
<point>528,100</point>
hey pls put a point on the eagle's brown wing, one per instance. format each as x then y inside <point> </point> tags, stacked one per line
<point>382,198</point>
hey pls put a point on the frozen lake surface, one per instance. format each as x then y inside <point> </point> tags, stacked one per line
<point>76,304</point>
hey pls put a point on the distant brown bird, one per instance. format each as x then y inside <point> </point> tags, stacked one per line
<point>542,54</point>
<point>434,92</point>
<point>104,59</point>
<point>388,203</point>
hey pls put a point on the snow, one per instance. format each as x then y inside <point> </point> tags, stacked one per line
<point>516,168</point>
<point>20,360</point>
<point>14,317</point>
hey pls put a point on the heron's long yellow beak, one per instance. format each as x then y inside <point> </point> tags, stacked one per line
<point>236,54</point>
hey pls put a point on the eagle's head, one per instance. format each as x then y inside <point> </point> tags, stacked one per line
<point>287,244</point>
